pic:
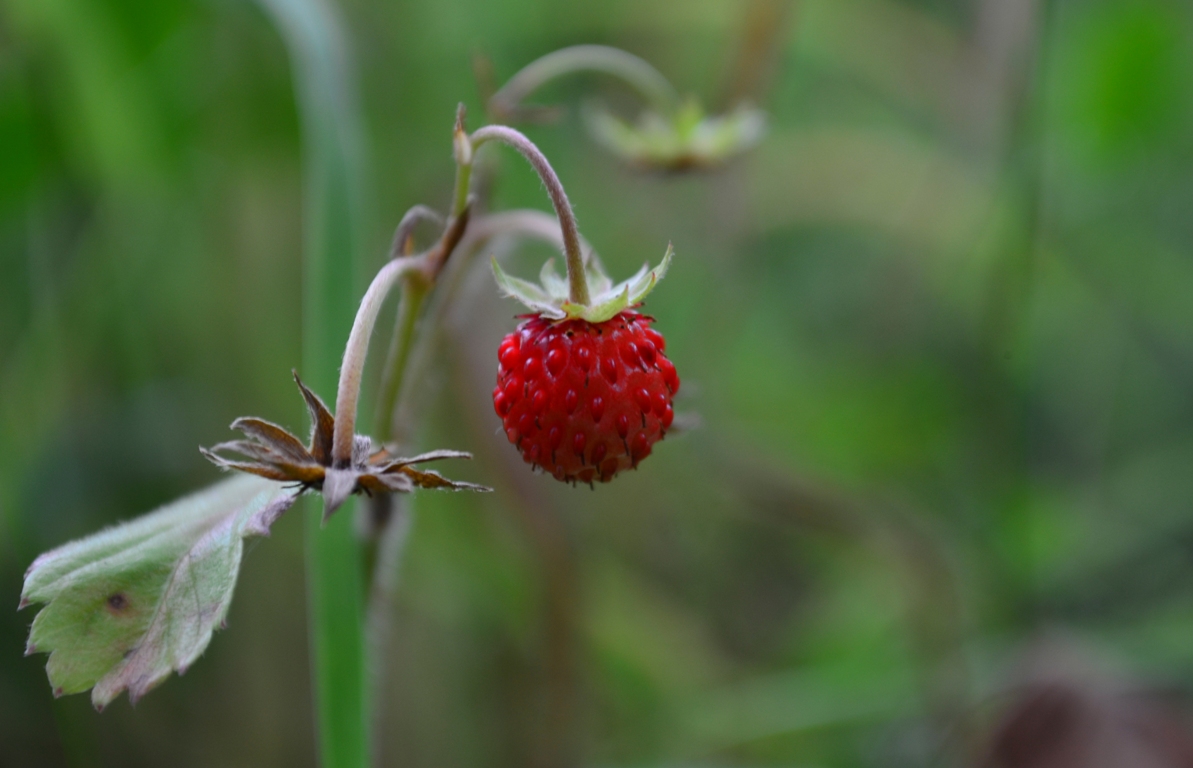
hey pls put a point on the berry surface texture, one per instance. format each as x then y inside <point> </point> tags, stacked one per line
<point>585,400</point>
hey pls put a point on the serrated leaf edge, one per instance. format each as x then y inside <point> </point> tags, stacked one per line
<point>147,664</point>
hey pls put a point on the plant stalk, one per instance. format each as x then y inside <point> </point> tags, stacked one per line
<point>409,307</point>
<point>332,144</point>
<point>463,149</point>
<point>577,282</point>
<point>630,69</point>
<point>352,369</point>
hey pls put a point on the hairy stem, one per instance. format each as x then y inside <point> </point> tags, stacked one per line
<point>577,283</point>
<point>627,67</point>
<point>409,307</point>
<point>525,223</point>
<point>528,223</point>
<point>348,392</point>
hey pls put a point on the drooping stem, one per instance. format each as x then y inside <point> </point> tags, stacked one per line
<point>413,290</point>
<point>352,369</point>
<point>520,222</point>
<point>577,283</point>
<point>523,223</point>
<point>635,72</point>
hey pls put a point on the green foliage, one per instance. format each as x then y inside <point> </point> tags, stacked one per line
<point>127,606</point>
<point>1129,70</point>
<point>899,314</point>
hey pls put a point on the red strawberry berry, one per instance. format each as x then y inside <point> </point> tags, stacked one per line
<point>585,400</point>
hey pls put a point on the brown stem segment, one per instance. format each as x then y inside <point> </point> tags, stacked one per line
<point>577,283</point>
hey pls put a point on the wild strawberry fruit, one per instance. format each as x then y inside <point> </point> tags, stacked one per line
<point>584,391</point>
<point>585,400</point>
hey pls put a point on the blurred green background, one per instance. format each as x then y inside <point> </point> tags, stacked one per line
<point>938,329</point>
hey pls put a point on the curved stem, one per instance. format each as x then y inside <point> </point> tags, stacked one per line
<point>525,222</point>
<point>408,307</point>
<point>396,363</point>
<point>416,285</point>
<point>528,223</point>
<point>411,219</point>
<point>348,392</point>
<point>630,69</point>
<point>577,283</point>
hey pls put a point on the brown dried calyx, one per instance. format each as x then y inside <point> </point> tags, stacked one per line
<point>278,455</point>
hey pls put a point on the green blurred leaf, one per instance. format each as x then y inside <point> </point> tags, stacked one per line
<point>126,606</point>
<point>1123,78</point>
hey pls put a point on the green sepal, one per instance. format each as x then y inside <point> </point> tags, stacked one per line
<point>127,606</point>
<point>550,299</point>
<point>527,293</point>
<point>688,139</point>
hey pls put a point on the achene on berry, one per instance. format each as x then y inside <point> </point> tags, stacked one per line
<point>585,400</point>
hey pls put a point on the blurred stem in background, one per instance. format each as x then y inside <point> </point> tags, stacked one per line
<point>506,105</point>
<point>324,89</point>
<point>1009,333</point>
<point>415,289</point>
<point>389,518</point>
<point>767,27</point>
<point>411,300</point>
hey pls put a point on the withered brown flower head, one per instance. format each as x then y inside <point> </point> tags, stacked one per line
<point>278,455</point>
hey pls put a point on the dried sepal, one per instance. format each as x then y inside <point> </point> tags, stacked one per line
<point>403,467</point>
<point>323,424</point>
<point>274,453</point>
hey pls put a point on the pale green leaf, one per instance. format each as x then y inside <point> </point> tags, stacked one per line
<point>632,281</point>
<point>128,605</point>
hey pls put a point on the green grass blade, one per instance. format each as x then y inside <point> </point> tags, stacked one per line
<point>324,88</point>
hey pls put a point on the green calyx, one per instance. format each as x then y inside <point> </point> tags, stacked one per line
<point>550,299</point>
<point>687,139</point>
